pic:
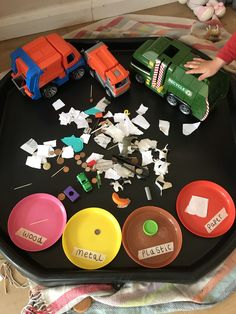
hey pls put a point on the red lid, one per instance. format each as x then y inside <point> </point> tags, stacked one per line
<point>219,209</point>
<point>152,237</point>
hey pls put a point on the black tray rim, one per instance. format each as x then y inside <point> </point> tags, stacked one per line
<point>56,278</point>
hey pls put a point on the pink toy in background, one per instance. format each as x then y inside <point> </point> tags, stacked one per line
<point>205,9</point>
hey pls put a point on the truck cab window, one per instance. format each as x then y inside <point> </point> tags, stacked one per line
<point>120,84</point>
<point>141,66</point>
<point>70,58</point>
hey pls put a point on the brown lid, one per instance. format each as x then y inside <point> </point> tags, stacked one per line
<point>151,236</point>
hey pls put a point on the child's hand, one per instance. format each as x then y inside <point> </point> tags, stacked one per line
<point>206,68</point>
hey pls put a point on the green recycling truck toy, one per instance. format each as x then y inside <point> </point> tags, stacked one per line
<point>159,63</point>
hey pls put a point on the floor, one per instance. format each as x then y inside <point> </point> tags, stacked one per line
<point>16,298</point>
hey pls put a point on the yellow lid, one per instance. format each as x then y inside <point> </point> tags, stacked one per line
<point>92,238</point>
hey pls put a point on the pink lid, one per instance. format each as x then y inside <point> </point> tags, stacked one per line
<point>37,222</point>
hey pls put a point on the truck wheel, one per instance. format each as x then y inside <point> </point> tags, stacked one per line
<point>171,100</point>
<point>77,73</point>
<point>139,78</point>
<point>184,109</point>
<point>49,91</point>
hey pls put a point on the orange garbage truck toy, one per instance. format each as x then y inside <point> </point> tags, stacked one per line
<point>45,63</point>
<point>107,70</point>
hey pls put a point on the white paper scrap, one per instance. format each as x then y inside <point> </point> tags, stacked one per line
<point>108,115</point>
<point>63,118</point>
<point>160,167</point>
<point>43,159</point>
<point>119,117</point>
<point>122,171</point>
<point>141,121</point>
<point>76,116</point>
<point>43,150</point>
<point>102,140</point>
<point>115,133</point>
<point>129,128</point>
<point>162,184</point>
<point>197,206</point>
<point>117,186</point>
<point>73,113</point>
<point>146,144</point>
<point>30,146</point>
<point>85,138</point>
<point>58,104</point>
<point>103,165</point>
<point>52,143</point>
<point>147,158</point>
<point>111,174</point>
<point>81,122</point>
<point>33,162</point>
<point>189,128</point>
<point>102,104</point>
<point>67,152</point>
<point>164,126</point>
<point>142,109</point>
<point>94,156</point>
<point>162,153</point>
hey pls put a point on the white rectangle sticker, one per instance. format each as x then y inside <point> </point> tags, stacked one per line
<point>216,220</point>
<point>87,254</point>
<point>156,250</point>
<point>31,236</point>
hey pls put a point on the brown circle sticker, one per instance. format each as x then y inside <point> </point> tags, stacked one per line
<point>152,237</point>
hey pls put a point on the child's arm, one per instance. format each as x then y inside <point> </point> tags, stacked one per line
<point>228,52</point>
<point>208,68</point>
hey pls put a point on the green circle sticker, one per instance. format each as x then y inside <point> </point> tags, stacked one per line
<point>150,227</point>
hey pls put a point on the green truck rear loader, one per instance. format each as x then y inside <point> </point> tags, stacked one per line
<point>159,64</point>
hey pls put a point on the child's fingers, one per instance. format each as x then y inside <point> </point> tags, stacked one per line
<point>199,59</point>
<point>192,65</point>
<point>194,71</point>
<point>203,76</point>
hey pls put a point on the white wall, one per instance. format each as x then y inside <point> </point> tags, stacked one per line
<point>24,17</point>
<point>11,7</point>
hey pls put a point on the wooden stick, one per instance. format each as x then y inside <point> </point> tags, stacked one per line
<point>113,146</point>
<point>57,172</point>
<point>91,94</point>
<point>37,222</point>
<point>22,186</point>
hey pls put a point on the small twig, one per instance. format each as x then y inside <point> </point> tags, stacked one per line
<point>98,180</point>
<point>60,153</point>
<point>22,186</point>
<point>113,146</point>
<point>97,129</point>
<point>57,172</point>
<point>95,125</point>
<point>37,222</point>
<point>91,94</point>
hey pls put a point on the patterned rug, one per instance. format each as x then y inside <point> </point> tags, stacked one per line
<point>208,37</point>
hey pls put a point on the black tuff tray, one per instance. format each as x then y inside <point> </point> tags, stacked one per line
<point>207,154</point>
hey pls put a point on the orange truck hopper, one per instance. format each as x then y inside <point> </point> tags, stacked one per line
<point>107,69</point>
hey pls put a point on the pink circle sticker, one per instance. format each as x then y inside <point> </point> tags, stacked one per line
<point>37,222</point>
